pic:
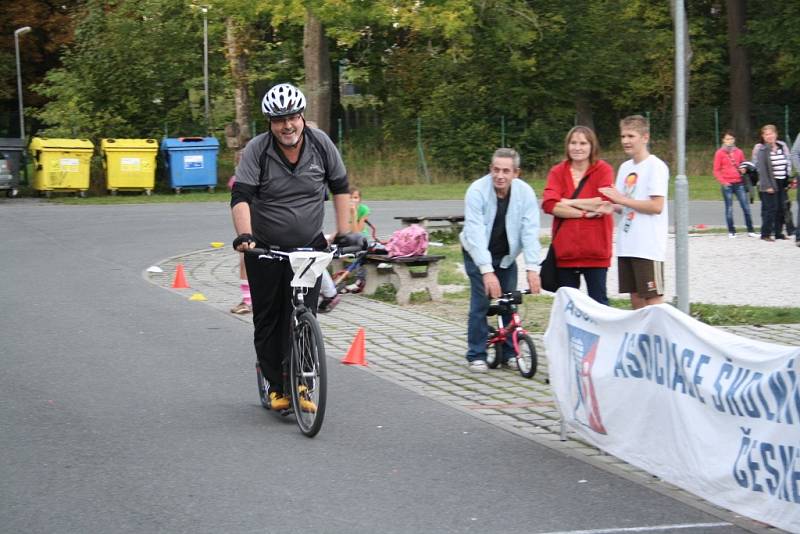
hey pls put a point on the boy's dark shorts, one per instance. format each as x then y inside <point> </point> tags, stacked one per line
<point>641,276</point>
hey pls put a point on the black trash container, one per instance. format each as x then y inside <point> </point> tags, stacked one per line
<point>11,149</point>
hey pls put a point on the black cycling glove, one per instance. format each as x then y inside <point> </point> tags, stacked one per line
<point>351,239</point>
<point>242,238</point>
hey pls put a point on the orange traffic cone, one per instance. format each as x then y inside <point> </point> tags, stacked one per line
<point>357,354</point>
<point>180,278</point>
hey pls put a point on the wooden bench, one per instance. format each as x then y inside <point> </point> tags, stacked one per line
<point>382,269</point>
<point>452,223</point>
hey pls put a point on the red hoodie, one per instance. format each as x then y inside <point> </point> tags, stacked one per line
<point>580,242</point>
<point>726,165</point>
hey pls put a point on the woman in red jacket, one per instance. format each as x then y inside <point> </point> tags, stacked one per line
<point>728,172</point>
<point>582,226</point>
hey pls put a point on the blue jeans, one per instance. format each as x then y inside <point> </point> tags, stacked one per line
<point>595,280</point>
<point>477,327</point>
<point>727,193</point>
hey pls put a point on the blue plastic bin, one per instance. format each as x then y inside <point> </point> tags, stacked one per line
<point>191,162</point>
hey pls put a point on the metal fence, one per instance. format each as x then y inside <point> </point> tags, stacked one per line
<point>364,127</point>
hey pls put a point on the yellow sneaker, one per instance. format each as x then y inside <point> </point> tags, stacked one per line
<point>306,404</point>
<point>278,401</point>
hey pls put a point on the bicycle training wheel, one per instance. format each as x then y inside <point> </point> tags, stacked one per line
<point>493,353</point>
<point>307,374</point>
<point>262,387</point>
<point>527,359</point>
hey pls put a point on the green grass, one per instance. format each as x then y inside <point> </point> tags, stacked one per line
<point>752,315</point>
<point>440,191</point>
<point>700,188</point>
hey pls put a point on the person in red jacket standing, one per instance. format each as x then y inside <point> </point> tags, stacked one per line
<point>727,162</point>
<point>583,226</point>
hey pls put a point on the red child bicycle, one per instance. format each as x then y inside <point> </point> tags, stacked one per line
<point>524,349</point>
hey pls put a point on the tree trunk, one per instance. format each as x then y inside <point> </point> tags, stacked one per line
<point>316,60</point>
<point>238,133</point>
<point>740,89</point>
<point>584,115</point>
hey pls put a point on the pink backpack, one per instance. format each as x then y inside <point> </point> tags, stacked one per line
<point>409,241</point>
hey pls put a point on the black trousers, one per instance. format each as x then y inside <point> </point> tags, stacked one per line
<point>772,211</point>
<point>272,309</point>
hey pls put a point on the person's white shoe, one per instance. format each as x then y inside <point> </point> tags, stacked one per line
<point>752,234</point>
<point>731,236</point>
<point>478,366</point>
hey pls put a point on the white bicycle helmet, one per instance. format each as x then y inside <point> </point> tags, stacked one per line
<point>283,100</point>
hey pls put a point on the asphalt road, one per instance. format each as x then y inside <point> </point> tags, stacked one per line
<point>127,408</point>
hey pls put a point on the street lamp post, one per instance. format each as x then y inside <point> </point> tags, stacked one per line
<point>17,33</point>
<point>681,182</point>
<point>205,67</point>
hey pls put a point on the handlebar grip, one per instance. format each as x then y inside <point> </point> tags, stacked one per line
<point>256,251</point>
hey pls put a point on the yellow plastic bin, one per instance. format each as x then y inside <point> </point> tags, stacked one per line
<point>61,165</point>
<point>130,164</point>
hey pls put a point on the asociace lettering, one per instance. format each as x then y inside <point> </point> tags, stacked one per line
<point>659,360</point>
<point>575,311</point>
<point>768,468</point>
<point>734,390</point>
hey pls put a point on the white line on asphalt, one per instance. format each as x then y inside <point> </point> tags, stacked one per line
<point>642,529</point>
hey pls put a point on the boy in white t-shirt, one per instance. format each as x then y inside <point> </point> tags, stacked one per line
<point>640,196</point>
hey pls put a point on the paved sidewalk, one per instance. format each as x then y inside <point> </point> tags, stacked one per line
<point>739,271</point>
<point>426,354</point>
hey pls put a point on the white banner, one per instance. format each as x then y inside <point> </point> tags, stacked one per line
<point>706,410</point>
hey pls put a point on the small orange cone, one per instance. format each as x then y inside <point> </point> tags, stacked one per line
<point>180,278</point>
<point>357,354</point>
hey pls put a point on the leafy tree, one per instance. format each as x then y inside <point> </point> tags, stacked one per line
<point>461,66</point>
<point>775,42</point>
<point>51,28</point>
<point>131,72</point>
<point>773,45</point>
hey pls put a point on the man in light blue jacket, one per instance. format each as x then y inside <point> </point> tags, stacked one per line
<point>501,219</point>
